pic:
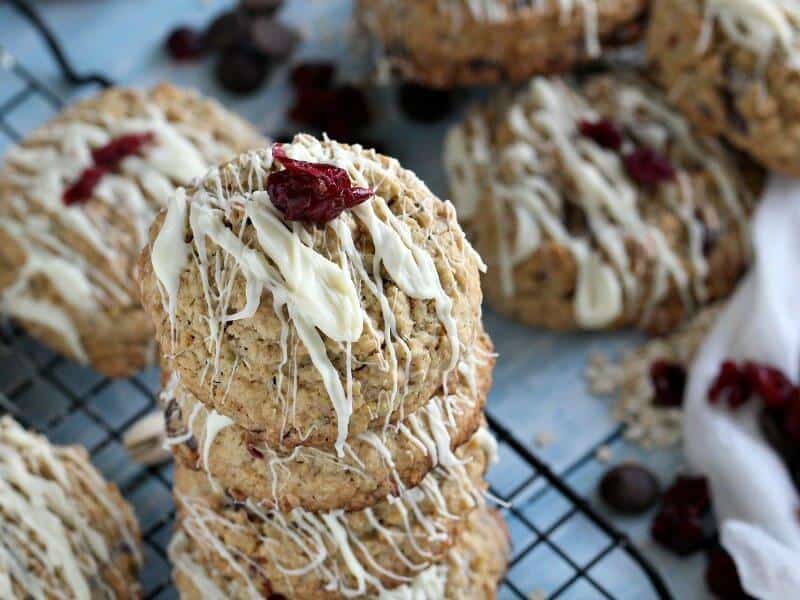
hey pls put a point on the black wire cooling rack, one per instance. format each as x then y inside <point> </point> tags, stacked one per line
<point>70,403</point>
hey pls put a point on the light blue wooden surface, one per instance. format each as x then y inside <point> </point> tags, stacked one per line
<point>539,383</point>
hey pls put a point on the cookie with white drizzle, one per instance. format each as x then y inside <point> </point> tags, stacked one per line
<point>335,554</point>
<point>375,463</point>
<point>471,570</point>
<point>596,206</point>
<point>77,197</point>
<point>64,531</point>
<point>733,68</point>
<point>447,43</point>
<point>310,334</point>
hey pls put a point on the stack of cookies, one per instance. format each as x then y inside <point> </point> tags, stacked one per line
<point>319,311</point>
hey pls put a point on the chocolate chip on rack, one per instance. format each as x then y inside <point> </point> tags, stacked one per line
<point>629,489</point>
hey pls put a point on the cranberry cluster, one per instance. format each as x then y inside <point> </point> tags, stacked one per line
<point>106,159</point>
<point>311,192</point>
<point>737,383</point>
<point>644,165</point>
<point>680,523</point>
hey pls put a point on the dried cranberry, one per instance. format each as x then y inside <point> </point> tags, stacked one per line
<point>313,75</point>
<point>116,150</point>
<point>311,192</point>
<point>603,133</point>
<point>82,188</point>
<point>689,493</point>
<point>424,104</point>
<point>669,381</point>
<point>731,385</point>
<point>722,577</point>
<point>185,43</point>
<point>648,167</point>
<point>772,386</point>
<point>255,452</point>
<point>679,530</point>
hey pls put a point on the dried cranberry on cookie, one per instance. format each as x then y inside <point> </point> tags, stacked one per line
<point>77,197</point>
<point>595,205</point>
<point>312,290</point>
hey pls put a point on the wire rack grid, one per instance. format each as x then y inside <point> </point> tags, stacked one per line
<point>72,404</point>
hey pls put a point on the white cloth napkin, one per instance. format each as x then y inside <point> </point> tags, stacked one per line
<point>755,501</point>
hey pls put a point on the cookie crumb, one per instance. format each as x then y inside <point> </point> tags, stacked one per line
<point>543,439</point>
<point>628,381</point>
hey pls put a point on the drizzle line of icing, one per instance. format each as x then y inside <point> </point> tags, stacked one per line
<point>38,220</point>
<point>544,119</point>
<point>762,26</point>
<point>320,294</point>
<point>314,535</point>
<point>44,524</point>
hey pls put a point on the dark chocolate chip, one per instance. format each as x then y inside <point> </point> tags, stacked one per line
<point>424,104</point>
<point>227,29</point>
<point>630,489</point>
<point>273,38</point>
<point>241,69</point>
<point>261,8</point>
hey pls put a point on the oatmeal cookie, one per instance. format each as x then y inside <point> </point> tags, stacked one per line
<point>335,553</point>
<point>65,531</point>
<point>461,42</point>
<point>733,68</point>
<point>77,197</point>
<point>471,570</point>
<point>596,206</point>
<point>375,463</point>
<point>306,333</point>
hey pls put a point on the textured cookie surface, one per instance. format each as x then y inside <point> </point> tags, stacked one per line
<point>335,553</point>
<point>310,334</point>
<point>463,42</point>
<point>66,533</point>
<point>374,464</point>
<point>470,571</point>
<point>76,200</point>
<point>595,206</point>
<point>734,69</point>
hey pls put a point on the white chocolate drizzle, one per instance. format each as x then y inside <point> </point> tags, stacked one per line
<point>319,537</point>
<point>430,428</point>
<point>544,123</point>
<point>761,26</point>
<point>49,547</point>
<point>45,228</point>
<point>319,293</point>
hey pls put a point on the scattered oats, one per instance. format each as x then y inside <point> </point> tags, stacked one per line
<point>604,454</point>
<point>543,439</point>
<point>628,381</point>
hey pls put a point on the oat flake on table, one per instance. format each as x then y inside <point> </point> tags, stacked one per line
<point>627,379</point>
